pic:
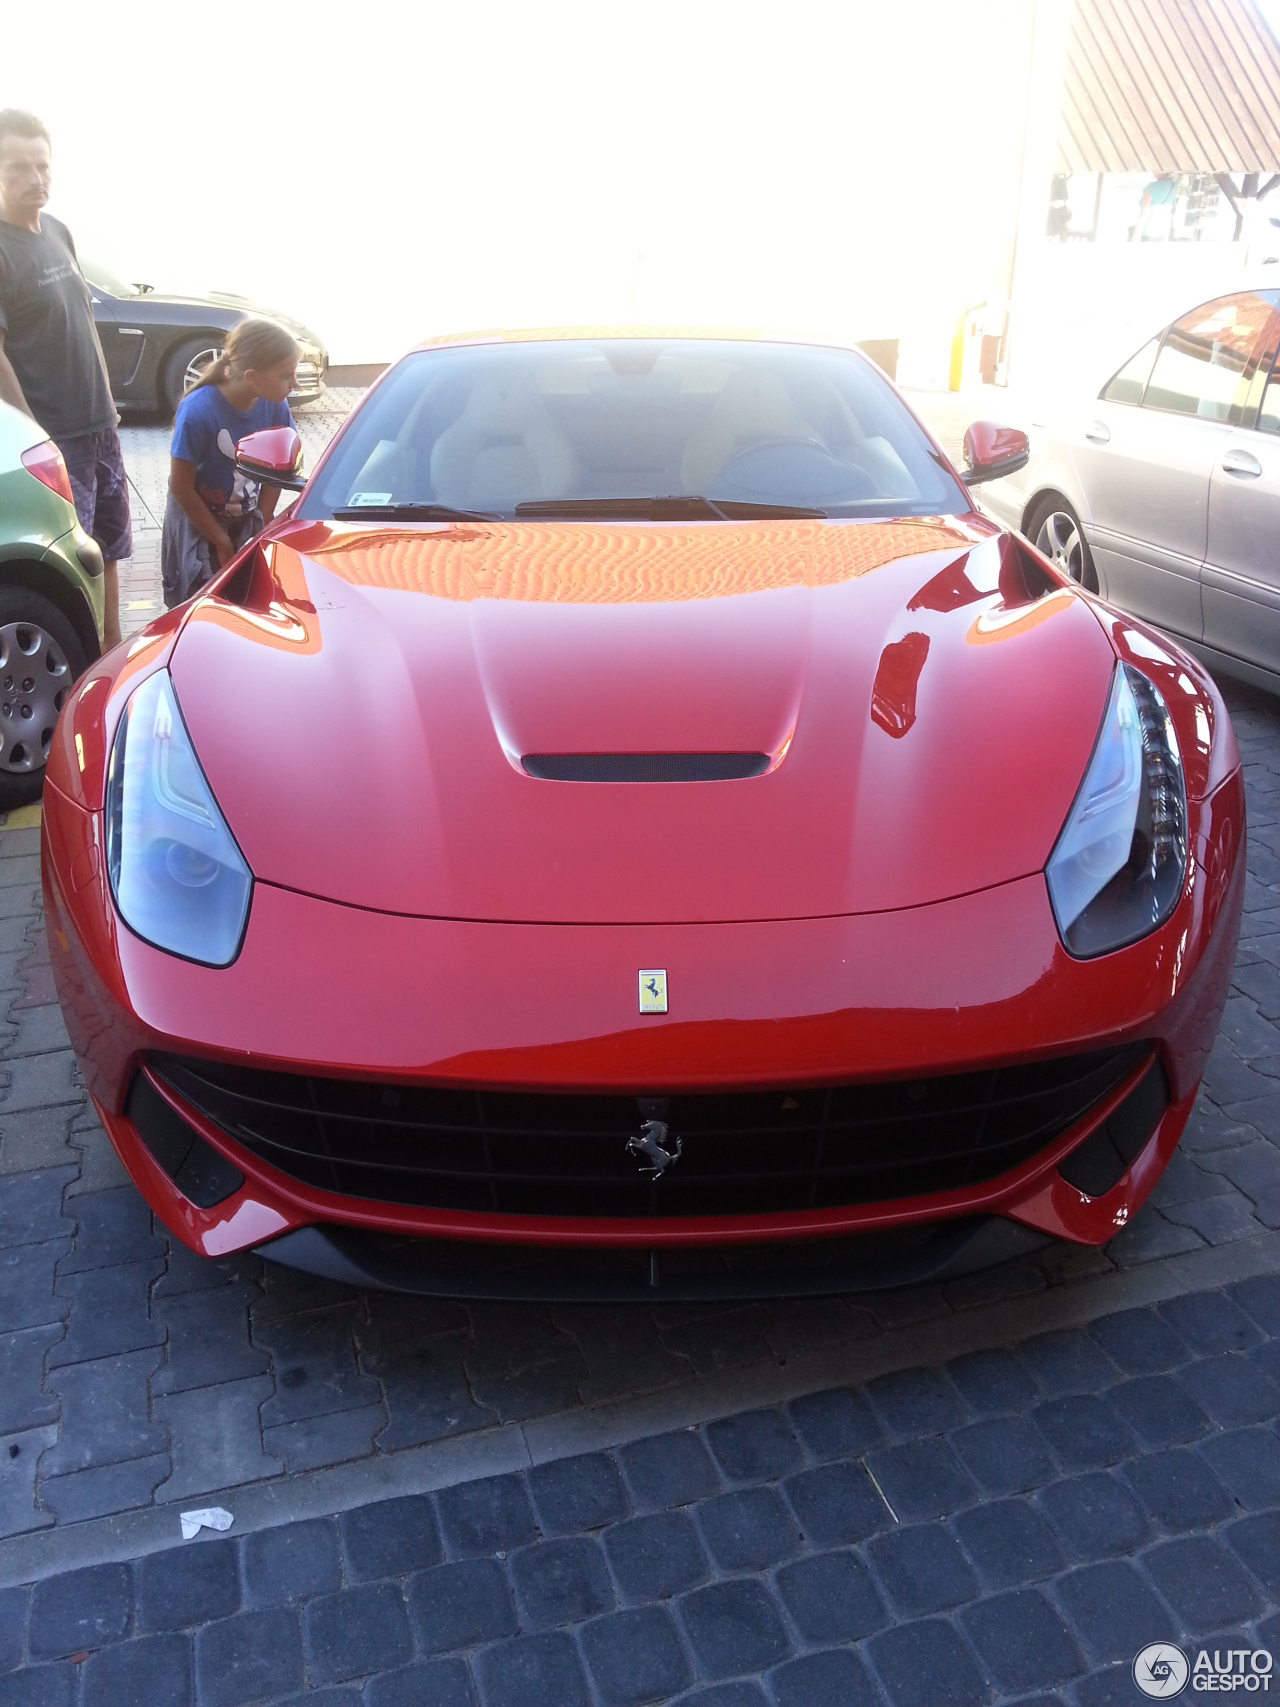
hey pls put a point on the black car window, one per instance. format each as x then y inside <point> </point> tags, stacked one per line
<point>1128,385</point>
<point>1203,365</point>
<point>105,280</point>
<point>597,428</point>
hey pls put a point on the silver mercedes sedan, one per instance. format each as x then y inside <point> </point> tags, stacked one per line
<point>1163,493</point>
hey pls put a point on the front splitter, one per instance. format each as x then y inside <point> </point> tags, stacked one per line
<point>438,1268</point>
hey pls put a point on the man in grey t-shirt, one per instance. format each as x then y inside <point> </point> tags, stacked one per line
<point>51,363</point>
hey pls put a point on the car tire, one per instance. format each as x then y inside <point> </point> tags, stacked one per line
<point>41,657</point>
<point>183,366</point>
<point>1054,529</point>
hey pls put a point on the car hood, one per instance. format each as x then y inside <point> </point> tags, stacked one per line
<point>362,715</point>
<point>238,305</point>
<point>245,306</point>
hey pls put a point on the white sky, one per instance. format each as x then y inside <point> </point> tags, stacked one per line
<point>388,171</point>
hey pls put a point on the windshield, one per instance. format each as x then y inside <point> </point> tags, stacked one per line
<point>106,280</point>
<point>644,428</point>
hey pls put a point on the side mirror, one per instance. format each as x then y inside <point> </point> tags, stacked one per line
<point>273,456</point>
<point>991,452</point>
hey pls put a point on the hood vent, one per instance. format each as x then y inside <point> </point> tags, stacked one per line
<point>644,767</point>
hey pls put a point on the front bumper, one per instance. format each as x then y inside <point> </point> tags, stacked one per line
<point>309,381</point>
<point>978,981</point>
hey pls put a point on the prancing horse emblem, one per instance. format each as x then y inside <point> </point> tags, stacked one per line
<point>648,1147</point>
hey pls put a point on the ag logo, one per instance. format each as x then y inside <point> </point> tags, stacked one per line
<point>1161,1671</point>
<point>653,992</point>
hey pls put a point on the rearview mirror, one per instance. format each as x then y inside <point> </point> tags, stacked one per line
<point>991,452</point>
<point>273,456</point>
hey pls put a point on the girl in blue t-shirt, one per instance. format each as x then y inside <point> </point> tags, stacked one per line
<point>212,508</point>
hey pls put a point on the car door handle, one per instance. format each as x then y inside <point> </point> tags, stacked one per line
<point>1242,463</point>
<point>131,331</point>
<point>1098,433</point>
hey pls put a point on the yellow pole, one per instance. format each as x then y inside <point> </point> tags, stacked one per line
<point>957,354</point>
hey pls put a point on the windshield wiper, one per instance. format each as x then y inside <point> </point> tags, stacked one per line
<point>679,507</point>
<point>410,513</point>
<point>735,510</point>
<point>675,508</point>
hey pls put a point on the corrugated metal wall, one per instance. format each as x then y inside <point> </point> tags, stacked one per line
<point>1170,86</point>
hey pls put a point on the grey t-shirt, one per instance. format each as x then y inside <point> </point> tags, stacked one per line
<point>46,314</point>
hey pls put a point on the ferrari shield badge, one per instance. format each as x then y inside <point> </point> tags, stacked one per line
<point>653,992</point>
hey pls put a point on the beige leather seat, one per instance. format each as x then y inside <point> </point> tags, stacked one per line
<point>502,450</point>
<point>750,409</point>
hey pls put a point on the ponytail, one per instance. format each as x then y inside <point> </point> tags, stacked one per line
<point>253,343</point>
<point>216,372</point>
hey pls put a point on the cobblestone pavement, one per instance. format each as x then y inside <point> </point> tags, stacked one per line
<point>964,1492</point>
<point>1021,1520</point>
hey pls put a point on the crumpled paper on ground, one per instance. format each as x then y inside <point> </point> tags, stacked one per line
<point>209,1517</point>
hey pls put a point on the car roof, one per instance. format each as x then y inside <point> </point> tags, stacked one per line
<point>628,334</point>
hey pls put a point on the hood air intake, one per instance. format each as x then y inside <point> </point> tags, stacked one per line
<point>644,767</point>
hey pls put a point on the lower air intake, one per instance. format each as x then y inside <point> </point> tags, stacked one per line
<point>740,1152</point>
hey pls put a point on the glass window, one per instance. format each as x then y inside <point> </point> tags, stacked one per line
<point>572,427</point>
<point>1128,385</point>
<point>1204,357</point>
<point>106,280</point>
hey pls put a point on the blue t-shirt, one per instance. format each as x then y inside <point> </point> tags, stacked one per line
<point>206,431</point>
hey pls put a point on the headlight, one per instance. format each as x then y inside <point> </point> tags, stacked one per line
<point>1117,870</point>
<point>177,875</point>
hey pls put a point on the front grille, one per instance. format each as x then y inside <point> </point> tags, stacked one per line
<point>645,767</point>
<point>307,379</point>
<point>741,1152</point>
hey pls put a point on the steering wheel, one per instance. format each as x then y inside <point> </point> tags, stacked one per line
<point>763,447</point>
<point>809,474</point>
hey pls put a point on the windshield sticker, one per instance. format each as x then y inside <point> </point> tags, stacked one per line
<point>358,498</point>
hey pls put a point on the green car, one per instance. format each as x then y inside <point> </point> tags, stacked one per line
<point>50,601</point>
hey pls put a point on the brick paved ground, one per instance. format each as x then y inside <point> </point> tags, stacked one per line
<point>1016,1522</point>
<point>1056,1501</point>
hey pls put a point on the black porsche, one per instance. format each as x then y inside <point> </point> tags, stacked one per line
<point>157,344</point>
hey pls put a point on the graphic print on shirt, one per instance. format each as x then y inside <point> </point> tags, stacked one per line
<point>244,492</point>
<point>55,273</point>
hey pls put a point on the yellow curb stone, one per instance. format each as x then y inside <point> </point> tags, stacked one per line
<point>23,817</point>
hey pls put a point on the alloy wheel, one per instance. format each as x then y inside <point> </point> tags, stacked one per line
<point>35,679</point>
<point>195,368</point>
<point>1060,541</point>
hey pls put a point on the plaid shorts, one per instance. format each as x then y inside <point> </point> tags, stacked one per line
<point>101,492</point>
